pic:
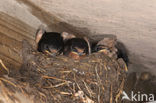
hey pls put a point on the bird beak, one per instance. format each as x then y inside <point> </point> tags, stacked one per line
<point>51,52</point>
<point>105,51</point>
<point>74,55</point>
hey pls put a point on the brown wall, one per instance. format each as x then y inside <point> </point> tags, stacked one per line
<point>12,32</point>
<point>133,22</point>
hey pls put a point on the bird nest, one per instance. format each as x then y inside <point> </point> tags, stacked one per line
<point>44,79</point>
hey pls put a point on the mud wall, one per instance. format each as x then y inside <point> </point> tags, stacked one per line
<point>133,22</point>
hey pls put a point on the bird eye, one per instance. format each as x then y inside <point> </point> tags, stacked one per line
<point>74,49</point>
<point>46,47</point>
<point>100,47</point>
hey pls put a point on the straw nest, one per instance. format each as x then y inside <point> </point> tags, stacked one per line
<point>44,79</point>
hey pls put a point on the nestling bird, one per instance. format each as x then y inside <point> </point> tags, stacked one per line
<point>49,42</point>
<point>112,48</point>
<point>76,48</point>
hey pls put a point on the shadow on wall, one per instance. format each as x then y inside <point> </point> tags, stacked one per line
<point>53,23</point>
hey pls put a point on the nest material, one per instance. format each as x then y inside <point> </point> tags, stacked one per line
<point>94,79</point>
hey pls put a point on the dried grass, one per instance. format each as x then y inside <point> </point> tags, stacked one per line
<point>43,79</point>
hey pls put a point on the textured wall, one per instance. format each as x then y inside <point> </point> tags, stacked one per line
<point>133,22</point>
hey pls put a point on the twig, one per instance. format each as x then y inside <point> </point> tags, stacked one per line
<point>5,80</point>
<point>99,80</point>
<point>98,77</point>
<point>42,95</point>
<point>1,62</point>
<point>88,89</point>
<point>65,93</point>
<point>120,90</point>
<point>111,96</point>
<point>48,77</point>
<point>99,95</point>
<point>89,47</point>
<point>58,85</point>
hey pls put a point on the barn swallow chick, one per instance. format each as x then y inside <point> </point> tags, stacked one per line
<point>112,48</point>
<point>49,42</point>
<point>76,48</point>
<point>106,46</point>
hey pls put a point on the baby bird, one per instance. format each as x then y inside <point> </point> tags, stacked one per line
<point>76,48</point>
<point>49,42</point>
<point>107,46</point>
<point>112,48</point>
